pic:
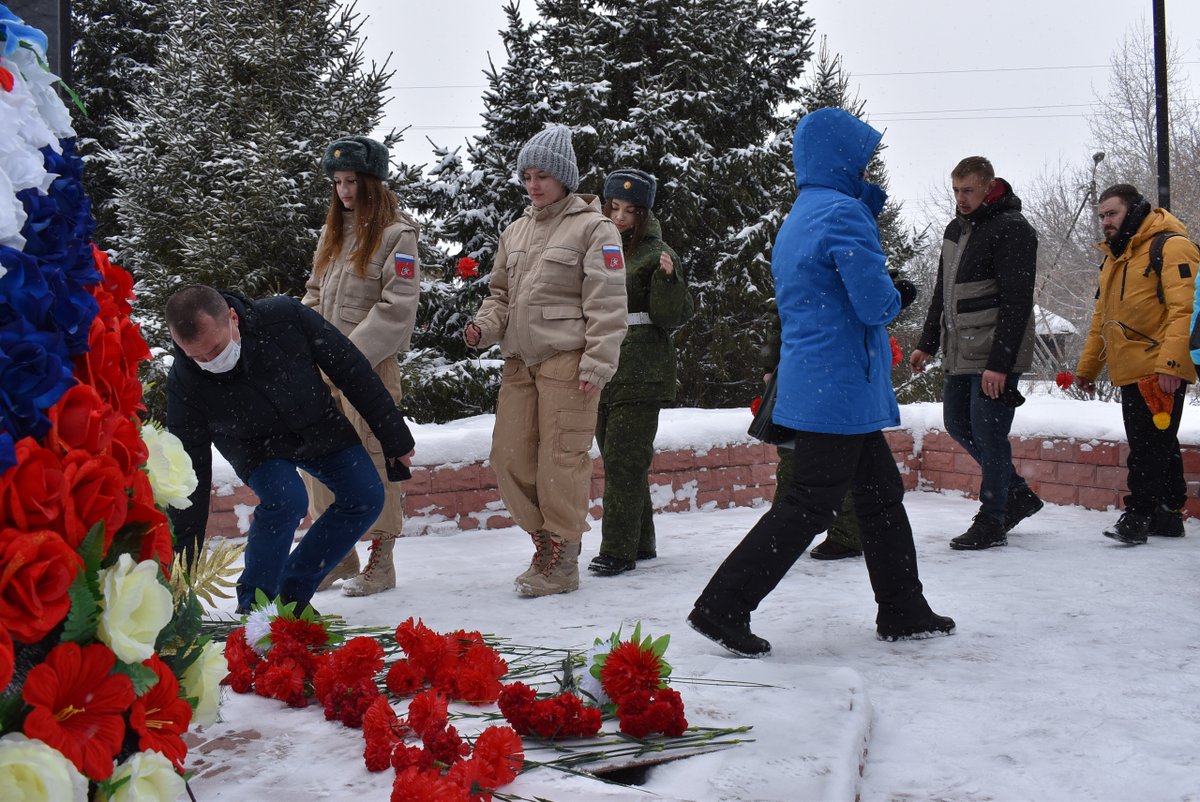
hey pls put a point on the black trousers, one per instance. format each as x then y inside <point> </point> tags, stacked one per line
<point>1155,464</point>
<point>826,466</point>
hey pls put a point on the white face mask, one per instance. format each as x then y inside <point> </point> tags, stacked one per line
<point>226,360</point>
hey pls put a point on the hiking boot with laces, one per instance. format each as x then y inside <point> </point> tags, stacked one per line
<point>1022,503</point>
<point>985,533</point>
<point>378,575</point>
<point>1131,529</point>
<point>559,573</point>
<point>541,553</point>
<point>1166,522</point>
<point>345,569</point>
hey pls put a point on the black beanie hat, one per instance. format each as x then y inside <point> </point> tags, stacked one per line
<point>632,186</point>
<point>360,154</point>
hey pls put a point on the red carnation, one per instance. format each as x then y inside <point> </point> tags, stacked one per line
<point>500,748</point>
<point>404,678</point>
<point>466,268</point>
<point>160,717</point>
<point>79,706</point>
<point>428,710</point>
<point>416,785</point>
<point>631,669</point>
<point>897,354</point>
<point>1065,379</point>
<point>383,731</point>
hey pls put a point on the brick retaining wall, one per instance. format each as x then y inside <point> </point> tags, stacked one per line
<point>1090,473</point>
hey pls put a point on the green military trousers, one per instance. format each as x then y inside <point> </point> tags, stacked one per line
<point>625,433</point>
<point>844,529</point>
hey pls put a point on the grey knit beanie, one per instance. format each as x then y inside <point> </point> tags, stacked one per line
<point>360,154</point>
<point>632,186</point>
<point>550,150</point>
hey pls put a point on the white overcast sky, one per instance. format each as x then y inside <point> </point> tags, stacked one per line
<point>1024,71</point>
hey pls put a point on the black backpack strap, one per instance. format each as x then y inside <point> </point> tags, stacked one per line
<point>1156,261</point>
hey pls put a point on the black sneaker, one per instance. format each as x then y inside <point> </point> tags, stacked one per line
<point>1166,522</point>
<point>734,636</point>
<point>832,550</point>
<point>605,565</point>
<point>1131,528</point>
<point>1022,503</point>
<point>931,626</point>
<point>985,533</point>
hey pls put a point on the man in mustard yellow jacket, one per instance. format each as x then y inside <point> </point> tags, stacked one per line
<point>1140,331</point>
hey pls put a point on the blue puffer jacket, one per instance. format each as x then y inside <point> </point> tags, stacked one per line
<point>832,287</point>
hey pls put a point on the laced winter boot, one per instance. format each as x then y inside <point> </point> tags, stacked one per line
<point>1131,528</point>
<point>379,573</point>
<point>1166,522</point>
<point>984,533</point>
<point>346,569</point>
<point>1022,502</point>
<point>559,573</point>
<point>541,553</point>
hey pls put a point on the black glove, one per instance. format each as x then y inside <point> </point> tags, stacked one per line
<point>397,471</point>
<point>907,290</point>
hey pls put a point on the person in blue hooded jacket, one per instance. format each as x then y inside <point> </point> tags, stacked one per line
<point>835,298</point>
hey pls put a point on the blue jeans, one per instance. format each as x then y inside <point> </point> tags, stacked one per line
<point>980,425</point>
<point>283,502</point>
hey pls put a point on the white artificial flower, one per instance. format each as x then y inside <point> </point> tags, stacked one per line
<point>258,628</point>
<point>590,686</point>
<point>30,769</point>
<point>169,468</point>
<point>202,681</point>
<point>152,778</point>
<point>135,608</point>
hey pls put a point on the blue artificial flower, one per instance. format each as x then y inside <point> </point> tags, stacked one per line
<point>24,293</point>
<point>8,453</point>
<point>33,376</point>
<point>13,31</point>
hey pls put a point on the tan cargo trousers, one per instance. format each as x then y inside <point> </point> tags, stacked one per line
<point>544,429</point>
<point>391,520</point>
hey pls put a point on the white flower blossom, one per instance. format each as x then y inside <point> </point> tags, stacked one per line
<point>152,778</point>
<point>169,468</point>
<point>202,681</point>
<point>30,769</point>
<point>135,608</point>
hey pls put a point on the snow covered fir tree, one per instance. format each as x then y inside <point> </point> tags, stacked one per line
<point>219,161</point>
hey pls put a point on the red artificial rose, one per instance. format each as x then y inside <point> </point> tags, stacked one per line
<point>155,541</point>
<point>160,717</point>
<point>6,80</point>
<point>1064,379</point>
<point>127,447</point>
<point>79,706</point>
<point>96,492</point>
<point>7,658</point>
<point>36,572</point>
<point>115,287</point>
<point>33,492</point>
<point>466,268</point>
<point>630,669</point>
<point>81,419</point>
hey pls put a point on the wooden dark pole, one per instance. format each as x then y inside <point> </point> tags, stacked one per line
<point>1160,104</point>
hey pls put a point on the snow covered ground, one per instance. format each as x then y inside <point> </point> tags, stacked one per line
<point>1074,674</point>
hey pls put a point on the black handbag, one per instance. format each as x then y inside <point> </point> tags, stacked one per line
<point>763,428</point>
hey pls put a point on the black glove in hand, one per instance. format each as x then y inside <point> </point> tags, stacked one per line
<point>907,290</point>
<point>397,471</point>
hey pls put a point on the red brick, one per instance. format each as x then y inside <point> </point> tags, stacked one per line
<point>1111,476</point>
<point>714,458</point>
<point>1098,498</point>
<point>1192,508</point>
<point>678,505</point>
<point>965,464</point>
<point>598,468</point>
<point>938,441</point>
<point>1025,447</point>
<point>762,474</point>
<point>749,496</point>
<point>1103,453</point>
<point>467,523</point>
<point>745,454</point>
<point>1055,493</point>
<point>909,480</point>
<point>1025,467</point>
<point>476,500</point>
<point>937,461</point>
<point>949,480</point>
<point>597,488</point>
<point>421,481</point>
<point>219,504</point>
<point>1191,460</point>
<point>438,504</point>
<point>487,476</point>
<point>1073,474</point>
<point>446,480</point>
<point>1123,458</point>
<point>673,461</point>
<point>596,512</point>
<point>498,521</point>
<point>709,479</point>
<point>900,440</point>
<point>706,496</point>
<point>1044,471</point>
<point>664,479</point>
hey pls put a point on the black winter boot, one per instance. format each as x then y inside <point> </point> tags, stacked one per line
<point>1022,502</point>
<point>830,549</point>
<point>1166,522</point>
<point>929,626</point>
<point>606,565</point>
<point>984,533</point>
<point>1131,528</point>
<point>731,633</point>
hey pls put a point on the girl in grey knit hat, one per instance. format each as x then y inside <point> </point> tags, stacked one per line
<point>557,307</point>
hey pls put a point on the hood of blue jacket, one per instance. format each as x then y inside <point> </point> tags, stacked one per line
<point>831,148</point>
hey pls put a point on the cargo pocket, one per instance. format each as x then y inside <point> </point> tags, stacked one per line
<point>576,430</point>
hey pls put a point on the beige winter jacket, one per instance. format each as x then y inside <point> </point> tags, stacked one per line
<point>377,312</point>
<point>558,284</point>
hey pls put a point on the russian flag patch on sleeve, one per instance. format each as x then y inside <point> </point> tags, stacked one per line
<point>406,265</point>
<point>613,258</point>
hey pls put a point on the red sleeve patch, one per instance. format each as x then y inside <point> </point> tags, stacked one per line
<point>613,258</point>
<point>406,265</point>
